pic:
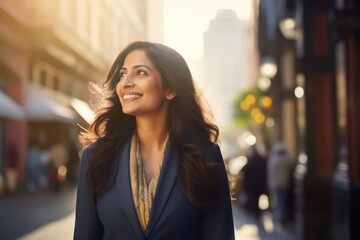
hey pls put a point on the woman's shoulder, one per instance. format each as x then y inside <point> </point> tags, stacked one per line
<point>213,151</point>
<point>87,148</point>
<point>93,148</point>
<point>90,147</point>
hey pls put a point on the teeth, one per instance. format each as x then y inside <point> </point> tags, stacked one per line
<point>131,96</point>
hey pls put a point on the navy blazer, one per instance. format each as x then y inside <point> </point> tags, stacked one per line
<point>172,216</point>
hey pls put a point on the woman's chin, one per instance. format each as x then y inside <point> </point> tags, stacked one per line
<point>130,112</point>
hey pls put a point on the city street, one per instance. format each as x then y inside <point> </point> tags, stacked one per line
<point>50,215</point>
<point>22,213</point>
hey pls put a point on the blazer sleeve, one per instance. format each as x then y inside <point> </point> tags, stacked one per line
<point>218,223</point>
<point>87,223</point>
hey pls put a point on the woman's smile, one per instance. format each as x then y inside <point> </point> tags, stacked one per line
<point>131,96</point>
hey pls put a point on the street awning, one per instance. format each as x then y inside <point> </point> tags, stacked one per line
<point>9,109</point>
<point>83,109</point>
<point>41,107</point>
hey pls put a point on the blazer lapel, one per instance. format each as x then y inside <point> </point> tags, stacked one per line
<point>166,181</point>
<point>124,187</point>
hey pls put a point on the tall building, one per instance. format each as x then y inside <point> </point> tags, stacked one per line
<point>155,21</point>
<point>49,51</point>
<point>226,69</point>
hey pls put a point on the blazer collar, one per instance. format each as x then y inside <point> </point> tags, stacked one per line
<point>166,181</point>
<point>165,184</point>
<point>124,188</point>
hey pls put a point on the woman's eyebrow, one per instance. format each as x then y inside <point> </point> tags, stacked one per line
<point>137,66</point>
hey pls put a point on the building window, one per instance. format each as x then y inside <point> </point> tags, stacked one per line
<point>84,24</point>
<point>68,12</point>
<point>101,31</point>
<point>108,33</point>
<point>87,21</point>
<point>72,12</point>
<point>43,77</point>
<point>56,83</point>
<point>47,76</point>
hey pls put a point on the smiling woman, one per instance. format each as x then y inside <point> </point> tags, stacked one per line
<point>140,88</point>
<point>151,168</point>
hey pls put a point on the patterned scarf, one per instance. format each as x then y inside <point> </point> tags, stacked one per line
<point>143,195</point>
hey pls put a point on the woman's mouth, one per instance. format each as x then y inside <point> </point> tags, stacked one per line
<point>131,96</point>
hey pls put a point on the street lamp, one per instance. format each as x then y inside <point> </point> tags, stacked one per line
<point>288,28</point>
<point>299,92</point>
<point>268,67</point>
<point>264,83</point>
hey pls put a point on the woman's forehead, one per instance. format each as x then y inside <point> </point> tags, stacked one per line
<point>137,56</point>
<point>136,59</point>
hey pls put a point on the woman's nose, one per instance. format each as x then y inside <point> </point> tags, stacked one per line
<point>127,81</point>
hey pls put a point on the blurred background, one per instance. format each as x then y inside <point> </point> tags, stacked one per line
<point>273,72</point>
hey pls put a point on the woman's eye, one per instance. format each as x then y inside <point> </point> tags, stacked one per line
<point>141,73</point>
<point>122,75</point>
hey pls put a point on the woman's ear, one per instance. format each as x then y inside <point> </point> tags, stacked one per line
<point>170,94</point>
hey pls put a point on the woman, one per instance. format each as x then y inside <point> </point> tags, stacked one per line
<point>150,169</point>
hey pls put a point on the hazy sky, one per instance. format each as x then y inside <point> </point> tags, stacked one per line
<point>187,20</point>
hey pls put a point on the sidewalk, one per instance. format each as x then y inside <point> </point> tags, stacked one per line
<point>246,228</point>
<point>58,230</point>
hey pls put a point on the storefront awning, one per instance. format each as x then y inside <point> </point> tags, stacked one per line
<point>83,109</point>
<point>9,109</point>
<point>41,107</point>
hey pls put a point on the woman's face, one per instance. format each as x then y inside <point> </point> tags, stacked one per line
<point>140,88</point>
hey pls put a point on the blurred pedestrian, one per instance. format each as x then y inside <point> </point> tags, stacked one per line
<point>33,165</point>
<point>74,161</point>
<point>11,172</point>
<point>279,171</point>
<point>44,166</point>
<point>153,169</point>
<point>254,181</point>
<point>59,161</point>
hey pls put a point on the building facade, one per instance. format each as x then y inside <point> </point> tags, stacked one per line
<point>49,52</point>
<point>316,47</point>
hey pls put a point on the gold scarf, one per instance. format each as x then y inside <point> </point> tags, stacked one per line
<point>142,194</point>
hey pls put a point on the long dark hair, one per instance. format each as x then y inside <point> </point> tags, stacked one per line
<point>189,129</point>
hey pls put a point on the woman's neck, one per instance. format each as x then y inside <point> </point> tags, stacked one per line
<point>151,133</point>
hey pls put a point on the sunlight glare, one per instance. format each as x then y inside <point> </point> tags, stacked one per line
<point>248,231</point>
<point>185,22</point>
<point>263,202</point>
<point>268,223</point>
